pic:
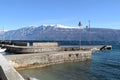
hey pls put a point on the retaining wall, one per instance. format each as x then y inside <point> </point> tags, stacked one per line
<point>45,59</point>
<point>45,44</point>
<point>21,43</point>
<point>7,72</point>
<point>31,49</point>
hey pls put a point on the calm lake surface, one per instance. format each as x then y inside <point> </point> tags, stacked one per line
<point>105,65</point>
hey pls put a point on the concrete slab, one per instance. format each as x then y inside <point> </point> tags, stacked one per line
<point>8,71</point>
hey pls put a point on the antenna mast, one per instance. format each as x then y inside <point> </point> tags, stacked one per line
<point>80,25</point>
<point>89,30</point>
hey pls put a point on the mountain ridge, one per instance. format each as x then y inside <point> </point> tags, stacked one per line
<point>62,33</point>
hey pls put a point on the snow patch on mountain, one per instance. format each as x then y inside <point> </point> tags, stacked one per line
<point>61,32</point>
<point>58,26</point>
<point>62,26</point>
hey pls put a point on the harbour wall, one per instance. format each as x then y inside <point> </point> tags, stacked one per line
<point>35,44</point>
<point>22,61</point>
<point>7,71</point>
<point>30,49</point>
<point>45,44</point>
<point>2,43</point>
<point>39,47</point>
<point>33,49</point>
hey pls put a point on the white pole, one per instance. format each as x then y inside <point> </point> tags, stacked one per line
<point>3,36</point>
<point>89,30</point>
<point>80,25</point>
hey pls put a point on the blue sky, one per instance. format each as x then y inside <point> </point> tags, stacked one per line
<point>16,14</point>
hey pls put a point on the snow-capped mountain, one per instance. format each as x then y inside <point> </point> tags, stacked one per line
<point>60,33</point>
<point>62,26</point>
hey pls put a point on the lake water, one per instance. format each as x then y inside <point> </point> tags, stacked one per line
<point>105,65</point>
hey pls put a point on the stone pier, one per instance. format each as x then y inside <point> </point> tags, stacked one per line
<point>44,59</point>
<point>45,54</point>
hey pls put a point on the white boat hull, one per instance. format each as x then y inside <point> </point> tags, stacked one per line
<point>2,50</point>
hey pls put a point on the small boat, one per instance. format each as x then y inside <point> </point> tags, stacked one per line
<point>2,49</point>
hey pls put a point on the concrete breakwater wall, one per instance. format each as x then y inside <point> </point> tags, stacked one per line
<point>45,44</point>
<point>30,49</point>
<point>35,44</point>
<point>33,49</point>
<point>40,47</point>
<point>7,72</point>
<point>44,59</point>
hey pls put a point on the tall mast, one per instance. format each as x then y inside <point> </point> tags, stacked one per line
<point>89,31</point>
<point>3,36</point>
<point>80,25</point>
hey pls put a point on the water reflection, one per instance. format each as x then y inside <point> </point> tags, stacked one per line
<point>65,71</point>
<point>103,66</point>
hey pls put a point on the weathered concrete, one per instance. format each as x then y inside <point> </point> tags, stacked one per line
<point>97,47</point>
<point>33,49</point>
<point>30,49</point>
<point>21,43</point>
<point>84,48</point>
<point>7,72</point>
<point>45,59</point>
<point>14,43</point>
<point>45,44</point>
<point>2,74</point>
